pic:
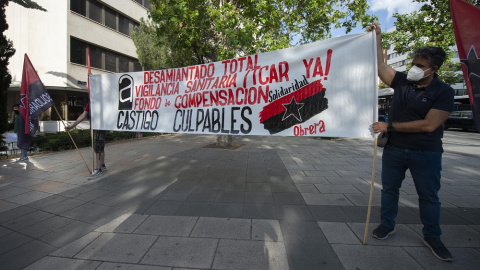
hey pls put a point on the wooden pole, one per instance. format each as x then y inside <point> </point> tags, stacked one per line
<point>93,152</point>
<point>372,183</point>
<point>68,132</point>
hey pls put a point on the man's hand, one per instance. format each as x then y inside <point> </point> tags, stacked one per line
<point>379,127</point>
<point>68,128</point>
<point>375,26</point>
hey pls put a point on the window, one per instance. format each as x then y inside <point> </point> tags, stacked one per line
<point>144,3</point>
<point>124,25</point>
<point>123,64</point>
<point>96,57</point>
<point>78,52</point>
<point>101,58</point>
<point>79,6</point>
<point>110,61</point>
<point>110,18</point>
<point>95,11</point>
<point>76,105</point>
<point>137,66</point>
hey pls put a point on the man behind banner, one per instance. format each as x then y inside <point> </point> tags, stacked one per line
<point>98,143</point>
<point>420,105</point>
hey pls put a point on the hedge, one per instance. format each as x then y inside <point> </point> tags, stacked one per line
<point>59,141</point>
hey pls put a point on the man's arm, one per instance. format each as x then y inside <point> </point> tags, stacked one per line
<point>432,121</point>
<point>79,119</point>
<point>385,72</point>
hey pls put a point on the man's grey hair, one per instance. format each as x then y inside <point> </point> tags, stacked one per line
<point>435,55</point>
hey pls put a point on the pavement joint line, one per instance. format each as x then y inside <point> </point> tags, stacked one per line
<point>192,161</point>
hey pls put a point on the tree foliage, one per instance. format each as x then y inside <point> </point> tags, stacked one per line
<point>199,31</point>
<point>430,26</point>
<point>28,4</point>
<point>6,51</point>
<point>151,54</point>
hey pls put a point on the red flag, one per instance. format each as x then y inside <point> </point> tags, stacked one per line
<point>34,100</point>
<point>466,19</point>
<point>289,109</point>
<point>89,72</point>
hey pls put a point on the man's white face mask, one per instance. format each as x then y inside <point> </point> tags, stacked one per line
<point>415,74</point>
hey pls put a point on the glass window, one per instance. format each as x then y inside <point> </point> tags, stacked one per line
<point>110,18</point>
<point>78,52</point>
<point>139,1</point>
<point>137,66</point>
<point>95,11</point>
<point>124,25</point>
<point>123,64</point>
<point>79,6</point>
<point>76,105</point>
<point>110,61</point>
<point>134,25</point>
<point>96,57</point>
<point>146,4</point>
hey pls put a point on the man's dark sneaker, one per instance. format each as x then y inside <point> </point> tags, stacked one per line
<point>103,168</point>
<point>382,232</point>
<point>96,173</point>
<point>438,249</point>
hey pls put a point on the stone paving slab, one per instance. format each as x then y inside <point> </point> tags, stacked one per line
<point>63,263</point>
<point>117,247</point>
<point>239,254</point>
<point>274,203</point>
<point>374,257</point>
<point>229,228</point>
<point>181,252</point>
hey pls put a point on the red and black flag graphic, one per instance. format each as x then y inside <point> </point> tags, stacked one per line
<point>466,19</point>
<point>34,100</point>
<point>294,108</point>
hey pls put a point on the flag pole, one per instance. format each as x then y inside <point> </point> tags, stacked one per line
<point>68,132</point>
<point>371,192</point>
<point>90,107</point>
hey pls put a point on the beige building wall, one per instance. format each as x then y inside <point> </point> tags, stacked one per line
<point>45,37</point>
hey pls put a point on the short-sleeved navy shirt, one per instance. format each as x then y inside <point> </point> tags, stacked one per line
<point>438,95</point>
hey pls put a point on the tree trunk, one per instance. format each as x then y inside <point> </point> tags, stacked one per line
<point>224,140</point>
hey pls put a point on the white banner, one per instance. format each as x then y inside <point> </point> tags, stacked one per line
<point>326,88</point>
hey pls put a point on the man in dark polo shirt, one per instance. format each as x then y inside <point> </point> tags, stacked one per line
<point>420,105</point>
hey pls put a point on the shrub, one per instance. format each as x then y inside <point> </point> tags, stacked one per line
<point>59,141</point>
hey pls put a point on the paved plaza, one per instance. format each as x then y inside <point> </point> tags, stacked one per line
<point>177,202</point>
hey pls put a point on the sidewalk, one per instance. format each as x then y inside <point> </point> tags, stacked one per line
<point>174,202</point>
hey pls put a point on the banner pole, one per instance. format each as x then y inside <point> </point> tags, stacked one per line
<point>371,192</point>
<point>90,107</point>
<point>68,132</point>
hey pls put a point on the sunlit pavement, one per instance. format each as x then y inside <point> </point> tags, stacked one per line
<point>176,202</point>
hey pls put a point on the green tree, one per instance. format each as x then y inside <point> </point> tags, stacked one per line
<point>7,51</point>
<point>198,31</point>
<point>151,54</point>
<point>430,26</point>
<point>28,4</point>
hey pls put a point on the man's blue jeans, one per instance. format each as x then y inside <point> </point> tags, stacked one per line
<point>425,167</point>
<point>24,153</point>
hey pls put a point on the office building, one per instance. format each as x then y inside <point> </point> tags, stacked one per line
<point>56,42</point>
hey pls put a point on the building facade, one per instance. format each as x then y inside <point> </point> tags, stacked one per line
<point>57,42</point>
